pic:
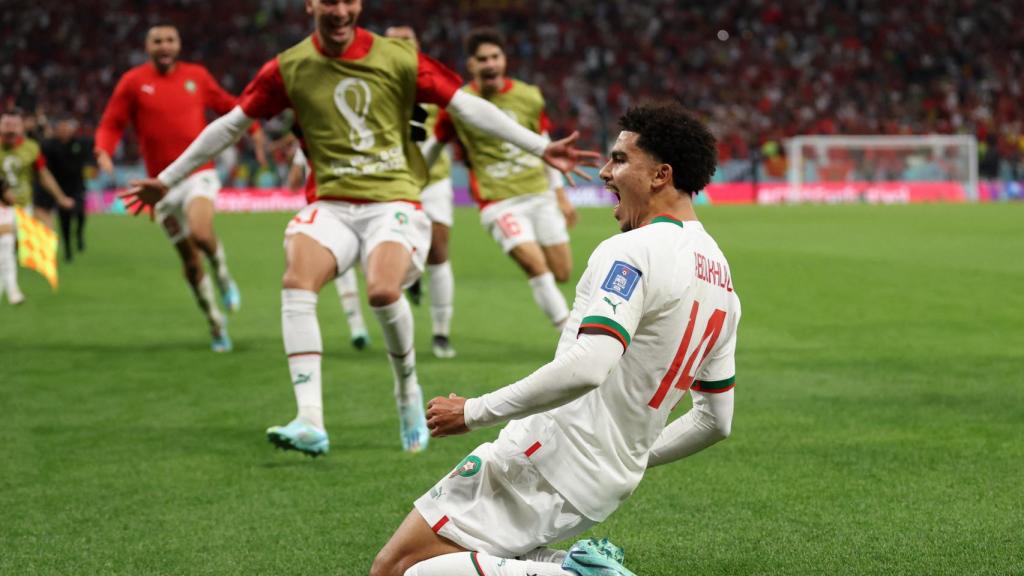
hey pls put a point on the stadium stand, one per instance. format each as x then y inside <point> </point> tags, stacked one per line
<point>760,71</point>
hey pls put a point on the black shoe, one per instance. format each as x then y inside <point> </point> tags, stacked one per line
<point>443,347</point>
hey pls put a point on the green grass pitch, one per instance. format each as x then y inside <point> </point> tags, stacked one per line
<point>879,426</point>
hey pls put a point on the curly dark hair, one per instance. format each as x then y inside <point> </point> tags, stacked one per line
<point>483,35</point>
<point>676,137</point>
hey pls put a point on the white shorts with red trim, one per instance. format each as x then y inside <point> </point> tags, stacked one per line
<point>495,501</point>
<point>172,211</point>
<point>437,201</point>
<point>529,218</point>
<point>350,231</point>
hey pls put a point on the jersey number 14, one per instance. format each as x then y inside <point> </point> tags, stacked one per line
<point>707,342</point>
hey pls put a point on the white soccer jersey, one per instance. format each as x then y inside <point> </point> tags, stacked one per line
<point>665,292</point>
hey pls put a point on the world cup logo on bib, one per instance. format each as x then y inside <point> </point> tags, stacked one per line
<point>352,96</point>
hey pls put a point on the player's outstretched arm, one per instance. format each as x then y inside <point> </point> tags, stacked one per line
<point>488,118</point>
<point>708,422</point>
<point>220,134</point>
<point>570,375</point>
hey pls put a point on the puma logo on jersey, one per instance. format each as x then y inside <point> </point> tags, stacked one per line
<point>614,305</point>
<point>303,378</point>
<point>148,89</point>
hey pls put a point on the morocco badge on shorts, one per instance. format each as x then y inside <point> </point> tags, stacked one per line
<point>467,468</point>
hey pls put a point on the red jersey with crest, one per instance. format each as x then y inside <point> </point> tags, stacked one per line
<point>168,111</point>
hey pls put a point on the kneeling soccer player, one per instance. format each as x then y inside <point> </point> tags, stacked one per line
<point>655,315</point>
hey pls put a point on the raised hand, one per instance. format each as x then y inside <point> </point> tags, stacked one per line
<point>563,155</point>
<point>143,194</point>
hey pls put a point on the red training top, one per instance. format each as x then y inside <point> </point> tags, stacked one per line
<point>167,110</point>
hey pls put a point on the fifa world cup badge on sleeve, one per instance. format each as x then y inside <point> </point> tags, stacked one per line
<point>621,280</point>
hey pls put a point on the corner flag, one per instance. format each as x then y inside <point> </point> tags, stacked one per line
<point>37,247</point>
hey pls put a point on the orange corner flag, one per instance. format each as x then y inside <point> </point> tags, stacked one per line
<point>37,247</point>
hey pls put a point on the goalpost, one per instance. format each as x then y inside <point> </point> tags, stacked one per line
<point>863,163</point>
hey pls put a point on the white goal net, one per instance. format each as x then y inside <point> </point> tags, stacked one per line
<point>875,168</point>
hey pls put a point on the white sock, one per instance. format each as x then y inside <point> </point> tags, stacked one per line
<point>547,295</point>
<point>304,347</point>
<point>8,267</point>
<point>208,303</point>
<point>348,293</point>
<point>476,563</point>
<point>219,262</point>
<point>396,322</point>
<point>442,296</point>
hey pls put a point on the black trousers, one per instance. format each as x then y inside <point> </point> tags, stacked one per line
<point>67,218</point>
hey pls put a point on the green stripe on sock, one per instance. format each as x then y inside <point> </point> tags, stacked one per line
<point>718,384</point>
<point>608,323</point>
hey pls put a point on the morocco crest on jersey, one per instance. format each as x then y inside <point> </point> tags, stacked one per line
<point>467,468</point>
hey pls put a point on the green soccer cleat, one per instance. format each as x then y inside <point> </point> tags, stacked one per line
<point>595,557</point>
<point>415,435</point>
<point>301,436</point>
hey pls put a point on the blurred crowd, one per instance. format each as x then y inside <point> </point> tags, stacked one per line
<point>759,70</point>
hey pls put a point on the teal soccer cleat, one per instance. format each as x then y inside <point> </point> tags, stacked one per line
<point>301,436</point>
<point>415,435</point>
<point>232,297</point>
<point>222,342</point>
<point>595,558</point>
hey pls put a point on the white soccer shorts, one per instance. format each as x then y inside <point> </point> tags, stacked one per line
<point>530,218</point>
<point>352,231</point>
<point>437,202</point>
<point>172,211</point>
<point>496,502</point>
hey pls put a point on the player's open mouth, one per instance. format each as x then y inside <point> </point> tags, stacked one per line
<point>615,192</point>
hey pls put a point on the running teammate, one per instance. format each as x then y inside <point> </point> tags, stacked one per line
<point>655,315</point>
<point>437,198</point>
<point>166,101</point>
<point>20,159</point>
<point>522,204</point>
<point>353,94</point>
<point>346,284</point>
